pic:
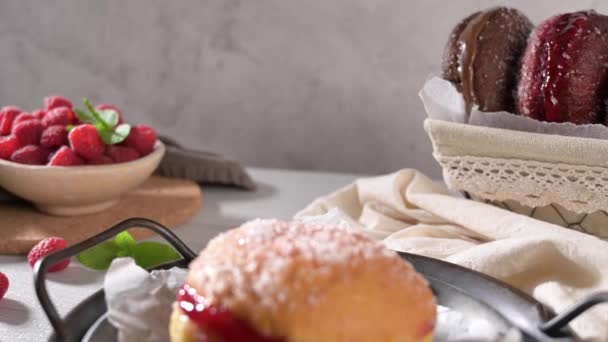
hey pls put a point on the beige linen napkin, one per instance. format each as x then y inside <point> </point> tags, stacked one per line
<point>412,214</point>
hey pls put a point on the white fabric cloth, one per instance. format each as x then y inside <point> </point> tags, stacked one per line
<point>412,214</point>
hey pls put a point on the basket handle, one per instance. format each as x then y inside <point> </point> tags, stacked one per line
<point>554,326</point>
<point>42,265</point>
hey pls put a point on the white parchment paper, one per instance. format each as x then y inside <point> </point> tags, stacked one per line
<point>140,303</point>
<point>443,102</point>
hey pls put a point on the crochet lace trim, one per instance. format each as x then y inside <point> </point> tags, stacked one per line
<point>578,188</point>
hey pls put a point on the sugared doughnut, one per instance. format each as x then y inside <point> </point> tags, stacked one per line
<point>272,280</point>
<point>482,57</point>
<point>565,70</point>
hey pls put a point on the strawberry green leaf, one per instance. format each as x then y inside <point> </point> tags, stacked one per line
<point>125,244</point>
<point>99,257</point>
<point>109,117</point>
<point>69,128</point>
<point>84,116</point>
<point>149,254</point>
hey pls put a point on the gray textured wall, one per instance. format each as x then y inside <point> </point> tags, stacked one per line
<point>311,84</point>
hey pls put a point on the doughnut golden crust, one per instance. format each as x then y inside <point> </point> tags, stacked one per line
<point>303,282</point>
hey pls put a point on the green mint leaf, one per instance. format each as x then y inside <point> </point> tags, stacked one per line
<point>100,127</point>
<point>118,135</point>
<point>84,116</point>
<point>109,117</point>
<point>125,244</point>
<point>145,254</point>
<point>123,130</point>
<point>69,128</point>
<point>99,257</point>
<point>149,254</point>
<point>98,122</point>
<point>89,106</point>
<point>110,137</point>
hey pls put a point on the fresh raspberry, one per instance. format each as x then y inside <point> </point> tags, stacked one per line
<point>4,283</point>
<point>8,145</point>
<point>52,102</point>
<point>7,116</point>
<point>46,247</point>
<point>54,136</point>
<point>102,160</point>
<point>65,157</point>
<point>142,138</point>
<point>122,154</point>
<point>22,117</point>
<point>10,109</point>
<point>85,141</point>
<point>31,155</point>
<point>58,116</point>
<point>28,132</point>
<point>39,113</point>
<point>109,106</point>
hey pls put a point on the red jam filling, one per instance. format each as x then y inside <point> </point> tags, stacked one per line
<point>426,329</point>
<point>217,321</point>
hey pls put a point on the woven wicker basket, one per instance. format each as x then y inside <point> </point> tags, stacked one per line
<point>558,179</point>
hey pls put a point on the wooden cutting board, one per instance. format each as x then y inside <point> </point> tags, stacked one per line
<point>170,201</point>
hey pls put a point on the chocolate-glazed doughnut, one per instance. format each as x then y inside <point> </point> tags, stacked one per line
<point>483,55</point>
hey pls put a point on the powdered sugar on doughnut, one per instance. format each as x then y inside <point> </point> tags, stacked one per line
<point>269,270</point>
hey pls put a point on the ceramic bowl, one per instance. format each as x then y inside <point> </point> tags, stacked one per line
<point>79,190</point>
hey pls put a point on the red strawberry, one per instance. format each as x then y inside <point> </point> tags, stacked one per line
<point>52,102</point>
<point>4,283</point>
<point>54,136</point>
<point>7,116</point>
<point>102,160</point>
<point>58,116</point>
<point>39,113</point>
<point>65,157</point>
<point>28,132</point>
<point>46,247</point>
<point>109,106</point>
<point>31,155</point>
<point>22,117</point>
<point>85,141</point>
<point>122,154</point>
<point>142,138</point>
<point>8,145</point>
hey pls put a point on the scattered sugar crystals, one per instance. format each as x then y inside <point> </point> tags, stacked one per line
<point>453,325</point>
<point>277,253</point>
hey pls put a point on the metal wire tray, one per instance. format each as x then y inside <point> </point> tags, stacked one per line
<point>469,292</point>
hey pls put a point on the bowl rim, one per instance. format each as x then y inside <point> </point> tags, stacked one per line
<point>159,150</point>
